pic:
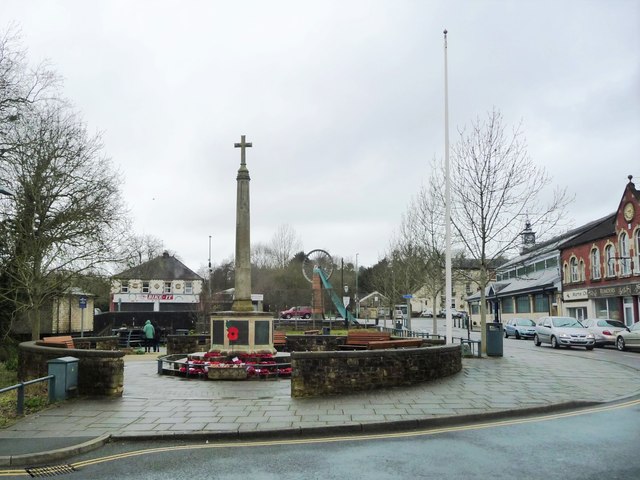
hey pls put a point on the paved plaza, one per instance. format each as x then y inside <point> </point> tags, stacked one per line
<point>154,406</point>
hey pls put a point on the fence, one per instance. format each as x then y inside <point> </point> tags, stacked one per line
<point>20,387</point>
<point>470,348</point>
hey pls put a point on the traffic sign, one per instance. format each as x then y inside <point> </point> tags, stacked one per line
<point>83,302</point>
<point>408,295</point>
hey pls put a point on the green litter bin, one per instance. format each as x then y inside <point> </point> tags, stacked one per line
<point>494,339</point>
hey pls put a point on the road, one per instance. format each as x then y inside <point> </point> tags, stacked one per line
<point>594,443</point>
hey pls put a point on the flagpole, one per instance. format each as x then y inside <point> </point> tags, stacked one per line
<point>447,194</point>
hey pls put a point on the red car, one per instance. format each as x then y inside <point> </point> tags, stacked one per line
<point>302,312</point>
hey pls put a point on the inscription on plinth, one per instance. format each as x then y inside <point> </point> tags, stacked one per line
<point>238,332</point>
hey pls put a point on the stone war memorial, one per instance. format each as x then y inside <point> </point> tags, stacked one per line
<point>241,345</point>
<point>242,330</point>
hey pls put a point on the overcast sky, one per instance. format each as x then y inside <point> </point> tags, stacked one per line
<point>342,100</point>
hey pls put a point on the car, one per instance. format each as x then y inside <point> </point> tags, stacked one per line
<point>629,338</point>
<point>565,331</point>
<point>520,328</point>
<point>427,312</point>
<point>604,329</point>
<point>302,312</point>
<point>454,313</point>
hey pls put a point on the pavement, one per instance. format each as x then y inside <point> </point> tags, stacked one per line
<point>523,381</point>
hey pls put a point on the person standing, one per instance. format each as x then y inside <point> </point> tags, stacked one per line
<point>149,333</point>
<point>156,337</point>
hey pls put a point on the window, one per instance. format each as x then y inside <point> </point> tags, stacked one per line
<point>608,308</point>
<point>625,255</point>
<point>507,305</point>
<point>541,303</point>
<point>188,288</point>
<point>595,264</point>
<point>636,249</point>
<point>167,287</point>
<point>145,287</point>
<point>609,257</point>
<point>124,286</point>
<point>575,276</point>
<point>522,304</point>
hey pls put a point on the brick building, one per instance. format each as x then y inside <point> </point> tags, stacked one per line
<point>601,267</point>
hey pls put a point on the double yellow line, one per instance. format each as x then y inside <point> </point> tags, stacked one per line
<point>354,438</point>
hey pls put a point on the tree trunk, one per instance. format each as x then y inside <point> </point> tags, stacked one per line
<point>34,320</point>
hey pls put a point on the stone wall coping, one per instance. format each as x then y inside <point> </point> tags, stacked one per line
<point>31,346</point>
<point>372,353</point>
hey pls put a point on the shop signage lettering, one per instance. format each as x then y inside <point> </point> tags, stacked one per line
<point>575,294</point>
<point>618,291</point>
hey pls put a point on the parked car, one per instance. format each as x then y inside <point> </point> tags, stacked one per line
<point>629,338</point>
<point>454,313</point>
<point>427,312</point>
<point>520,328</point>
<point>565,331</point>
<point>604,329</point>
<point>302,312</point>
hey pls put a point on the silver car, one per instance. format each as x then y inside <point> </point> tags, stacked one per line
<point>520,328</point>
<point>604,329</point>
<point>629,338</point>
<point>565,331</point>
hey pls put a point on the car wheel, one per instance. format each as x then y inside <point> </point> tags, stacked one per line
<point>620,344</point>
<point>590,347</point>
<point>517,335</point>
<point>287,317</point>
<point>554,342</point>
<point>506,335</point>
<point>306,315</point>
<point>536,340</point>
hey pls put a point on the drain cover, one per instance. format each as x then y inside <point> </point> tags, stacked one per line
<point>51,471</point>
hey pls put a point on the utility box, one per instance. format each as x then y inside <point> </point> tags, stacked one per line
<point>494,339</point>
<point>65,369</point>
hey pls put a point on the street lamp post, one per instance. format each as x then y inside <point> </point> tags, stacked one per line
<point>356,295</point>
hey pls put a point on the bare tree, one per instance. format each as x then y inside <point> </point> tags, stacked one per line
<point>138,249</point>
<point>284,244</point>
<point>20,86</point>
<point>496,187</point>
<point>423,225</point>
<point>67,215</point>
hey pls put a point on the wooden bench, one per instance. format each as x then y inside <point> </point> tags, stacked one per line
<point>360,339</point>
<point>279,339</point>
<point>400,343</point>
<point>65,341</point>
<point>312,332</point>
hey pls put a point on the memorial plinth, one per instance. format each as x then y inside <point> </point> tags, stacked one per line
<point>241,332</point>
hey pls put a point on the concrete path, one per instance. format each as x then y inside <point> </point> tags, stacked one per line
<point>172,407</point>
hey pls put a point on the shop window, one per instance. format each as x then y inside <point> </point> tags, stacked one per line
<point>507,305</point>
<point>541,303</point>
<point>595,264</point>
<point>522,304</point>
<point>636,249</point>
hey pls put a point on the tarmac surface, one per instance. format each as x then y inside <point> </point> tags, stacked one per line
<point>524,380</point>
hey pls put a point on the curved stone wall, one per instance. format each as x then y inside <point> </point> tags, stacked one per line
<point>100,372</point>
<point>342,372</point>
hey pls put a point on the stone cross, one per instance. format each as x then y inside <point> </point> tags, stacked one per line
<point>242,146</point>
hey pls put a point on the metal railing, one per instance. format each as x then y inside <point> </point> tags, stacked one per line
<point>20,387</point>
<point>470,348</point>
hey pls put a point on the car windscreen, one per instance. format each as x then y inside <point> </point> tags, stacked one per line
<point>566,322</point>
<point>525,322</point>
<point>610,323</point>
